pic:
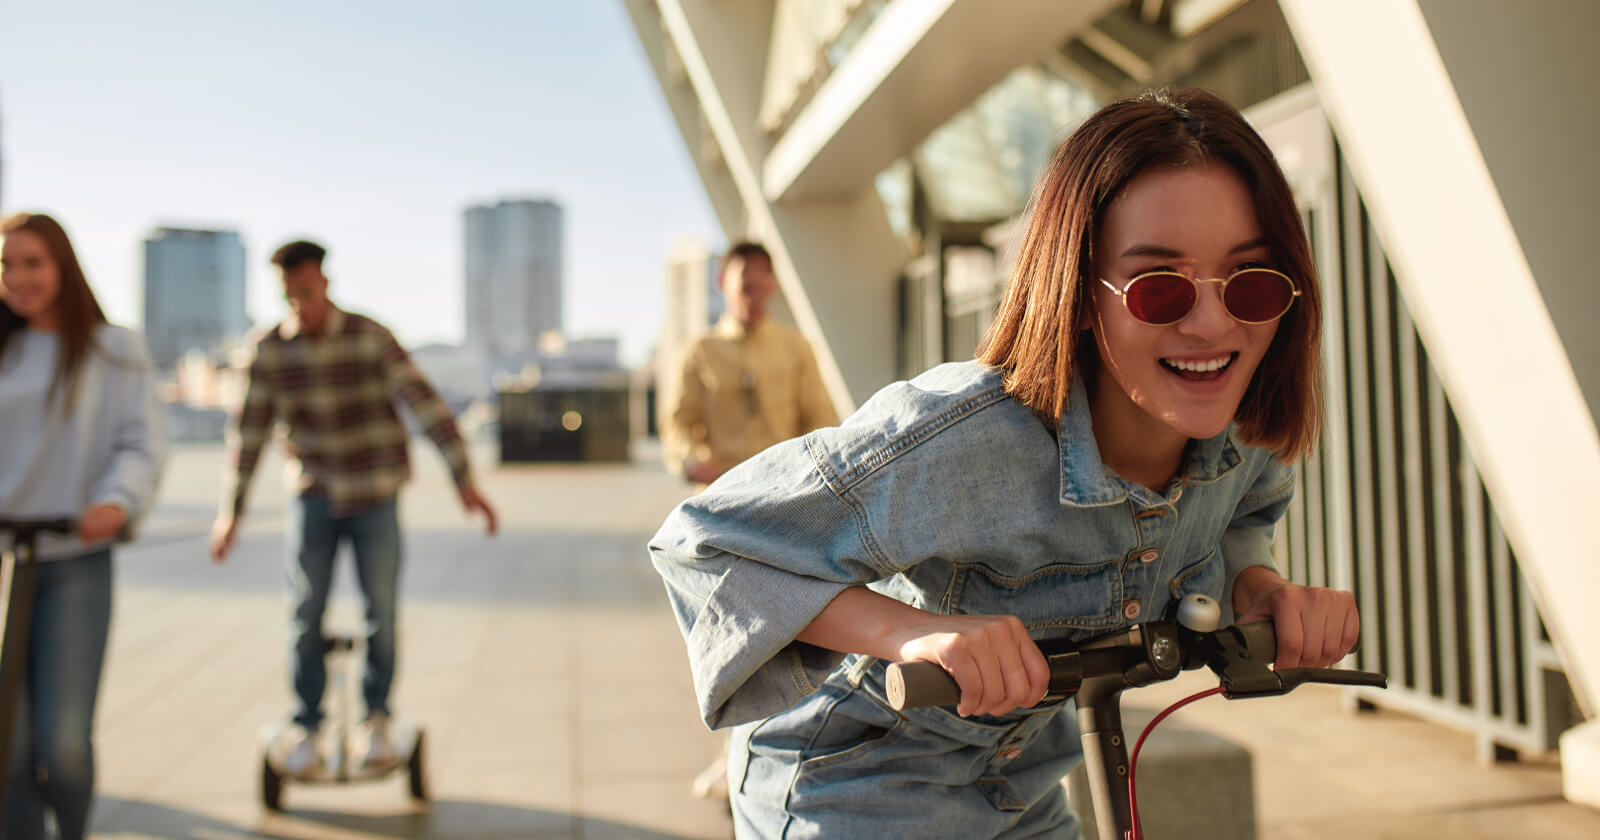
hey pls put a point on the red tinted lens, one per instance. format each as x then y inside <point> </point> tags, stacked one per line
<point>1160,298</point>
<point>1258,296</point>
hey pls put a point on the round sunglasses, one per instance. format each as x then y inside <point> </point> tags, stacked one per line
<point>1251,295</point>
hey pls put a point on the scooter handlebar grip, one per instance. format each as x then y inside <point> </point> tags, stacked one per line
<point>913,685</point>
<point>62,525</point>
<point>1261,638</point>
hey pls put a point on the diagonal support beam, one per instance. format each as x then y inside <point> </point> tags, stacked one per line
<point>836,260</point>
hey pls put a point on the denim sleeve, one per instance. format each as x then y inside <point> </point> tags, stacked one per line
<point>1248,540</point>
<point>747,565</point>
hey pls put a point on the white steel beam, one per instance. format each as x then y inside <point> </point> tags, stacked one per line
<point>919,63</point>
<point>836,260</point>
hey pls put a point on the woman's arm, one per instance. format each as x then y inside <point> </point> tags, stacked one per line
<point>1316,627</point>
<point>139,445</point>
<point>998,667</point>
<point>766,573</point>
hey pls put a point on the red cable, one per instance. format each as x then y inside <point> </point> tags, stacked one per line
<point>1135,833</point>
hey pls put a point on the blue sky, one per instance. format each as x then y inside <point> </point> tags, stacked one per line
<point>366,125</point>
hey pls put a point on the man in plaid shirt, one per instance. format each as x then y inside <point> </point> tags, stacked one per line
<point>332,379</point>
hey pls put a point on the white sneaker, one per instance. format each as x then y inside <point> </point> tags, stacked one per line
<point>372,745</point>
<point>301,754</point>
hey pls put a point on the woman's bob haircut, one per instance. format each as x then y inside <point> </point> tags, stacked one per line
<point>1040,335</point>
<point>79,313</point>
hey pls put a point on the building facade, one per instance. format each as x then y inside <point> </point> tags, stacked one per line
<point>194,293</point>
<point>513,275</point>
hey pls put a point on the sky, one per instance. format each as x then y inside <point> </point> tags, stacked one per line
<point>367,125</point>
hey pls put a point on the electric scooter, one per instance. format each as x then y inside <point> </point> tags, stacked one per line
<point>338,767</point>
<point>1096,671</point>
<point>18,570</point>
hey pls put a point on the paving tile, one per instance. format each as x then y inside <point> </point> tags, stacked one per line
<point>645,751</point>
<point>611,811</point>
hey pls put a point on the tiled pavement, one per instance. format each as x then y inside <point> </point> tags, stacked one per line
<point>546,667</point>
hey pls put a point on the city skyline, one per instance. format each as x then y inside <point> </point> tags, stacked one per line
<point>364,126</point>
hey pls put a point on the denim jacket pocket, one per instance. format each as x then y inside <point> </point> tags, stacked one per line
<point>1204,577</point>
<point>1056,596</point>
<point>853,726</point>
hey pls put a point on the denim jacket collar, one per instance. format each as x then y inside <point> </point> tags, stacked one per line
<point>1087,482</point>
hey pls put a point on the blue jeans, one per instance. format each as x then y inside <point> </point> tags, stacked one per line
<point>314,534</point>
<point>52,754</point>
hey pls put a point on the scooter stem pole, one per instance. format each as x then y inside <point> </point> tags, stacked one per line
<point>17,570</point>
<point>1105,756</point>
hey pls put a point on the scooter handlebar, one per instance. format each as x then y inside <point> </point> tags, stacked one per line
<point>1239,654</point>
<point>912,685</point>
<point>60,525</point>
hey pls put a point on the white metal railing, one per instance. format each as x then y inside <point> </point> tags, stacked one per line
<point>1393,508</point>
<point>1390,507</point>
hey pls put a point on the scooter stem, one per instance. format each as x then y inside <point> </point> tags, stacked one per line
<point>1104,745</point>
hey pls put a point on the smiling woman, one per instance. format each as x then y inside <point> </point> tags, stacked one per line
<point>1160,384</point>
<point>1124,439</point>
<point>80,437</point>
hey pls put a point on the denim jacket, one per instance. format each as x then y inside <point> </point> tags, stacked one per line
<point>946,493</point>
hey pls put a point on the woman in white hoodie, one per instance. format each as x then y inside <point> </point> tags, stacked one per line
<point>80,437</point>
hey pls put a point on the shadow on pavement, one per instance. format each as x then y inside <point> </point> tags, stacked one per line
<point>455,566</point>
<point>125,818</point>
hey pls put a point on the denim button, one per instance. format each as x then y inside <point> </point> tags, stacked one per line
<point>1149,556</point>
<point>1130,610</point>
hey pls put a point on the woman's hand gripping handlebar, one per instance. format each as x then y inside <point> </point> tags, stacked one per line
<point>1143,654</point>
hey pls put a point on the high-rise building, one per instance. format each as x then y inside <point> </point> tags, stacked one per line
<point>193,292</point>
<point>513,264</point>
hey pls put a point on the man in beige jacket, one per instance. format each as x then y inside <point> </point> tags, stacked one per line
<point>745,385</point>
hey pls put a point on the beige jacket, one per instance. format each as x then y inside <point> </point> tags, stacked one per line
<point>738,392</point>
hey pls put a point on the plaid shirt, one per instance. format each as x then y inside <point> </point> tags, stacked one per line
<point>335,394</point>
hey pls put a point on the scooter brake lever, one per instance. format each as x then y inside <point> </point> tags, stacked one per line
<point>1293,678</point>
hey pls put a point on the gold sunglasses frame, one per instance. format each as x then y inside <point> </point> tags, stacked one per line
<point>1122,294</point>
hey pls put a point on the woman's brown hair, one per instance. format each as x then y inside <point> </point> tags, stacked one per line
<point>79,313</point>
<point>1040,336</point>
